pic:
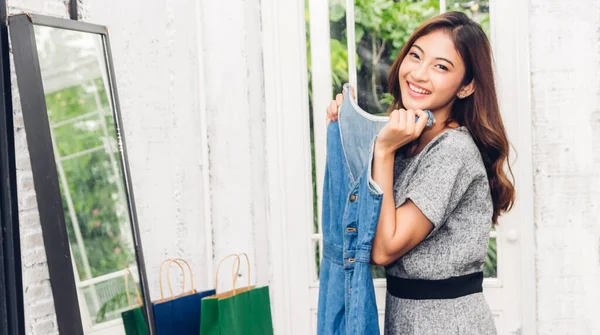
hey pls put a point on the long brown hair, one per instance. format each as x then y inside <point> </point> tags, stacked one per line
<point>479,112</point>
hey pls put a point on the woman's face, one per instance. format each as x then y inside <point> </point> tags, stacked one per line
<point>431,74</point>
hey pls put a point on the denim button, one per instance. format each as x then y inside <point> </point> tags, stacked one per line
<point>350,230</point>
<point>353,197</point>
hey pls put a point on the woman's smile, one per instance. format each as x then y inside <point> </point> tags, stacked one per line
<point>417,91</point>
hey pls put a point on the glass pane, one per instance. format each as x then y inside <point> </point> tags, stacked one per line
<point>490,267</point>
<point>318,258</point>
<point>478,10</point>
<point>310,118</point>
<point>83,133</point>
<point>377,271</point>
<point>338,44</point>
<point>339,61</point>
<point>102,219</point>
<point>382,28</point>
<point>107,300</point>
<point>313,163</point>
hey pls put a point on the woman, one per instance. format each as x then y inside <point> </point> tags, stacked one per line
<point>443,185</point>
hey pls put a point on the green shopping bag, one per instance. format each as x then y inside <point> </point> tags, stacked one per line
<point>134,322</point>
<point>244,311</point>
<point>247,313</point>
<point>133,319</point>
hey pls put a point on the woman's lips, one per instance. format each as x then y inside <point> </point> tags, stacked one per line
<point>416,91</point>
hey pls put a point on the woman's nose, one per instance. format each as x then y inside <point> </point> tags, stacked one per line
<point>420,73</point>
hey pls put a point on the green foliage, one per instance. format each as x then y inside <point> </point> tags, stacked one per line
<point>476,10</point>
<point>490,267</point>
<point>114,303</point>
<point>91,180</point>
<point>377,271</point>
<point>74,101</point>
<point>98,203</point>
<point>393,21</point>
<point>382,27</point>
<point>339,63</point>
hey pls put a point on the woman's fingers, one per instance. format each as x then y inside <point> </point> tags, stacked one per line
<point>331,112</point>
<point>394,117</point>
<point>422,122</point>
<point>333,109</point>
<point>410,122</point>
<point>402,119</point>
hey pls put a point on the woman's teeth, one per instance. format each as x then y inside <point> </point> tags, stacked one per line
<point>418,90</point>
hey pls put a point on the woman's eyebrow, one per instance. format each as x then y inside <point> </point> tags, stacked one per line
<point>440,58</point>
<point>444,59</point>
<point>418,47</point>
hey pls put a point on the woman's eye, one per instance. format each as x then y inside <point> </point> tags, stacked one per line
<point>414,55</point>
<point>440,66</point>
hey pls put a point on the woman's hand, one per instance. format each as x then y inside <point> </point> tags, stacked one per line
<point>334,106</point>
<point>400,130</point>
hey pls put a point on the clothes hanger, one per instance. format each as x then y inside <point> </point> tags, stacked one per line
<point>348,87</point>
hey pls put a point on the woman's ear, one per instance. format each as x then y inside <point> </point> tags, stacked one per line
<point>466,90</point>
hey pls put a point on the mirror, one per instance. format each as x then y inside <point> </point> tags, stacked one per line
<point>77,127</point>
<point>84,140</point>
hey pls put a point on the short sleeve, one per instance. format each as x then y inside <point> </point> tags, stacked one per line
<point>438,183</point>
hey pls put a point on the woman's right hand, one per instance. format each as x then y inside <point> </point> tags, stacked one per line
<point>334,106</point>
<point>402,128</point>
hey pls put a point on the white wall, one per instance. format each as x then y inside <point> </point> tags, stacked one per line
<point>565,81</point>
<point>234,89</point>
<point>156,65</point>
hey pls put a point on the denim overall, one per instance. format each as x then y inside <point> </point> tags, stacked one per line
<point>351,205</point>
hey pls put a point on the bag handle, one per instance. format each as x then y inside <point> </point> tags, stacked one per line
<point>237,273</point>
<point>236,262</point>
<point>137,292</point>
<point>177,260</point>
<point>168,262</point>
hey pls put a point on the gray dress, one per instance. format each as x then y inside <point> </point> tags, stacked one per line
<point>447,181</point>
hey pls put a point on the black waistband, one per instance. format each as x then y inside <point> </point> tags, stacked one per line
<point>420,289</point>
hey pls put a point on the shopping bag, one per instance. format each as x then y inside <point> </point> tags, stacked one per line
<point>178,314</point>
<point>240,311</point>
<point>133,319</point>
<point>209,320</point>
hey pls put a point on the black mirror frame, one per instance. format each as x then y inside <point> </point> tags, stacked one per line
<point>46,183</point>
<point>11,283</point>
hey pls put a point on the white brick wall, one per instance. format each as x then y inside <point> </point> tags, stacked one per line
<point>40,318</point>
<point>565,79</point>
